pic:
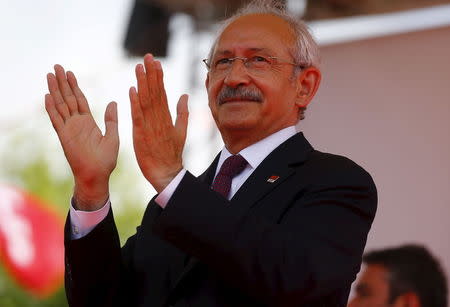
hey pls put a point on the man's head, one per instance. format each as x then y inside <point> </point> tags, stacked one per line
<point>262,72</point>
<point>404,276</point>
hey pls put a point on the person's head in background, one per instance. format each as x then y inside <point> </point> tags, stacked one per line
<point>405,276</point>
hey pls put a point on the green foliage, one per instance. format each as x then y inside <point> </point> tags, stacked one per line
<point>37,168</point>
<point>11,295</point>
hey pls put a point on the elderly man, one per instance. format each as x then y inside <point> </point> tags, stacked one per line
<point>403,276</point>
<point>271,222</point>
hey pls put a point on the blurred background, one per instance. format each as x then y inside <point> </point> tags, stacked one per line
<point>384,102</point>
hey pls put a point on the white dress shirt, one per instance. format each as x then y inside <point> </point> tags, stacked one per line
<point>84,221</point>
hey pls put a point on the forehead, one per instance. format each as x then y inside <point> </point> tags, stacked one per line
<point>375,276</point>
<point>256,31</point>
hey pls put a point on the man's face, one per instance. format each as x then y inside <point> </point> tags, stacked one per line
<point>277,105</point>
<point>372,288</point>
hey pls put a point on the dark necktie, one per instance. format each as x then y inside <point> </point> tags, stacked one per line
<point>231,167</point>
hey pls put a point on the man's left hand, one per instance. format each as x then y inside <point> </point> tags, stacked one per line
<point>158,143</point>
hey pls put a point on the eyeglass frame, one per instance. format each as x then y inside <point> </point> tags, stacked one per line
<point>245,60</point>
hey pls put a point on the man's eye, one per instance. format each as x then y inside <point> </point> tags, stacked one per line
<point>259,59</point>
<point>223,61</point>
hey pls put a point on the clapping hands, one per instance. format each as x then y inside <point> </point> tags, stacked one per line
<point>92,156</point>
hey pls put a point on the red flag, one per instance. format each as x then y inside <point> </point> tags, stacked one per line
<point>31,241</point>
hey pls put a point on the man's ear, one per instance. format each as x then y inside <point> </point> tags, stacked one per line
<point>408,299</point>
<point>308,82</point>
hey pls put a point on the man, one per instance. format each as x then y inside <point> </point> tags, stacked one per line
<point>271,222</point>
<point>405,276</point>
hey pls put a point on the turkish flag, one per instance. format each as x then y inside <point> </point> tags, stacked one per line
<point>31,241</point>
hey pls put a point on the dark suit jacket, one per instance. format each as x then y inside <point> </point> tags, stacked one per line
<point>295,242</point>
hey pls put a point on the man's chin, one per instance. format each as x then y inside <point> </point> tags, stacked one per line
<point>237,125</point>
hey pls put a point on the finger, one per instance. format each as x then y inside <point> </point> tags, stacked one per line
<point>150,73</point>
<point>111,122</point>
<point>160,91</point>
<point>60,105</point>
<point>136,112</point>
<point>65,90</point>
<point>142,90</point>
<point>55,118</point>
<point>158,94</point>
<point>83,106</point>
<point>181,122</point>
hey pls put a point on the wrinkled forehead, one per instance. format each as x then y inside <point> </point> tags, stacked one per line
<point>256,31</point>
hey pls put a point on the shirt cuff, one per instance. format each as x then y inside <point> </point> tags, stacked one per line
<point>163,198</point>
<point>83,222</point>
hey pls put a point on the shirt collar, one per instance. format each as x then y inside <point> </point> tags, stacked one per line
<point>256,153</point>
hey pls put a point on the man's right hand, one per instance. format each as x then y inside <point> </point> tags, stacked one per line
<point>91,155</point>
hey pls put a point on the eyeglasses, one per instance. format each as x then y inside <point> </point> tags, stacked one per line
<point>255,64</point>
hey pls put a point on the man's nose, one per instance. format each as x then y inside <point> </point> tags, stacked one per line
<point>237,74</point>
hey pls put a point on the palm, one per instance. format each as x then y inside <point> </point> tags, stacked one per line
<point>91,155</point>
<point>86,149</point>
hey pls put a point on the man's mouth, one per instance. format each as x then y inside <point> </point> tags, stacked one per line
<point>239,99</point>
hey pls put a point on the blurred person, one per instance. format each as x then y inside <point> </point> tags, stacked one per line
<point>405,276</point>
<point>271,222</point>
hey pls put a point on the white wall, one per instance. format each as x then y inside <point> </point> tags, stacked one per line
<point>385,103</point>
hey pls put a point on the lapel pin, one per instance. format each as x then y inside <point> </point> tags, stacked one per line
<point>272,179</point>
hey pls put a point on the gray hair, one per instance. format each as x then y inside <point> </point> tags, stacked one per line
<point>305,50</point>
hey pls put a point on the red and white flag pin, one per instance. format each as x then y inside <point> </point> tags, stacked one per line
<point>273,178</point>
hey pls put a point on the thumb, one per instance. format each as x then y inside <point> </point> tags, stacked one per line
<point>111,121</point>
<point>181,122</point>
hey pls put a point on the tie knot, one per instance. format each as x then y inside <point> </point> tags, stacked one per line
<point>233,165</point>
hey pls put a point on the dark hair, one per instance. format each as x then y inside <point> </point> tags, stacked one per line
<point>412,268</point>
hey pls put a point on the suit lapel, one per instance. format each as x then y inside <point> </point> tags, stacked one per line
<point>277,167</point>
<point>208,175</point>
<point>257,185</point>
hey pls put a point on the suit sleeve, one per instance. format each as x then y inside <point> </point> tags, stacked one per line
<point>313,250</point>
<point>98,271</point>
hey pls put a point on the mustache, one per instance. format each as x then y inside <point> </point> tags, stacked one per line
<point>239,93</point>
